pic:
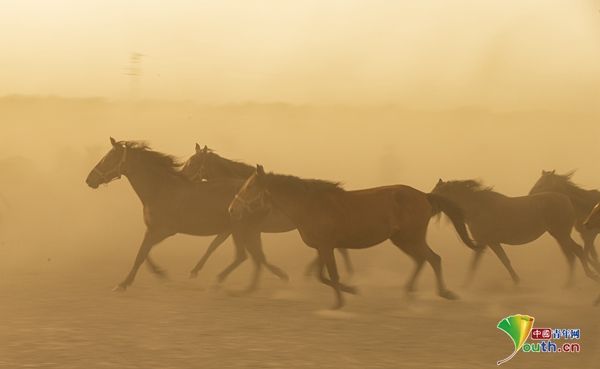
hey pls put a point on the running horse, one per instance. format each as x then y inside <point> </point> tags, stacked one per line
<point>206,165</point>
<point>172,204</point>
<point>583,201</point>
<point>592,222</point>
<point>495,219</point>
<point>329,217</point>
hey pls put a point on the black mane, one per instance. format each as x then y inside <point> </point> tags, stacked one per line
<point>229,167</point>
<point>289,182</point>
<point>155,158</point>
<point>581,198</point>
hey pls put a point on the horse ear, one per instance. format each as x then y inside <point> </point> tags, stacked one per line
<point>553,171</point>
<point>113,141</point>
<point>260,170</point>
<point>198,148</point>
<point>205,149</point>
<point>440,181</point>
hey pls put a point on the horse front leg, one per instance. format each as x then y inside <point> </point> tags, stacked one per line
<point>218,241</point>
<point>240,257</point>
<point>589,250</point>
<point>477,254</point>
<point>151,238</point>
<point>347,261</point>
<point>499,251</point>
<point>155,269</point>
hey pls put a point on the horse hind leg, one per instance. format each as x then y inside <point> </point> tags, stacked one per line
<point>418,257</point>
<point>327,257</point>
<point>436,263</point>
<point>477,254</point>
<point>571,250</point>
<point>421,252</point>
<point>588,246</point>
<point>499,251</point>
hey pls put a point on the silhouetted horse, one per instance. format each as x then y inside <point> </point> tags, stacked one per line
<point>329,217</point>
<point>496,219</point>
<point>173,204</point>
<point>583,201</point>
<point>206,165</point>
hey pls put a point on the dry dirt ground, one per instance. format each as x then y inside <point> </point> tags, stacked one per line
<point>55,317</point>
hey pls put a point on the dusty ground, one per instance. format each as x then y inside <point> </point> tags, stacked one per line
<point>54,316</point>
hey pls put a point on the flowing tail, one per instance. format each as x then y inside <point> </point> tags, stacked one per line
<point>456,216</point>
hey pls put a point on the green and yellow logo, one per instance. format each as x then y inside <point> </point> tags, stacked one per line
<point>517,327</point>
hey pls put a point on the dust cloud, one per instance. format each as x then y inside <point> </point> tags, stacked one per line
<point>366,93</point>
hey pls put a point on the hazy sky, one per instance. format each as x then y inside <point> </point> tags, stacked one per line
<point>429,52</point>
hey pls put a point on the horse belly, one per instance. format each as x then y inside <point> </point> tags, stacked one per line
<point>511,233</point>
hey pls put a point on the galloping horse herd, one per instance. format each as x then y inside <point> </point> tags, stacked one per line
<point>211,195</point>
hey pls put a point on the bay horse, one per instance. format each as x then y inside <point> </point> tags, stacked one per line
<point>207,165</point>
<point>172,204</point>
<point>495,219</point>
<point>329,217</point>
<point>583,201</point>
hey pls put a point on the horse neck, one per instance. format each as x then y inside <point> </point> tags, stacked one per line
<point>230,169</point>
<point>582,198</point>
<point>291,203</point>
<point>147,181</point>
<point>471,202</point>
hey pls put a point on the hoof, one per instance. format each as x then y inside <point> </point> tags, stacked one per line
<point>353,290</point>
<point>449,295</point>
<point>221,278</point>
<point>161,274</point>
<point>120,288</point>
<point>337,306</point>
<point>193,274</point>
<point>284,277</point>
<point>593,276</point>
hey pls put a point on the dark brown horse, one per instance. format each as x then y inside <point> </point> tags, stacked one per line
<point>329,217</point>
<point>583,201</point>
<point>173,204</point>
<point>495,219</point>
<point>206,165</point>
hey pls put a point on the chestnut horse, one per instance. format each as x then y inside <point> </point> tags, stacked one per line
<point>206,165</point>
<point>329,217</point>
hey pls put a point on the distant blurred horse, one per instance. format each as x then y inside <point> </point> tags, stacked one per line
<point>173,204</point>
<point>494,219</point>
<point>592,222</point>
<point>583,201</point>
<point>206,165</point>
<point>329,217</point>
